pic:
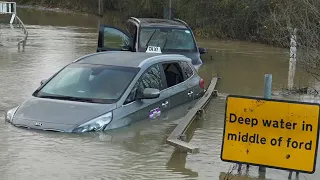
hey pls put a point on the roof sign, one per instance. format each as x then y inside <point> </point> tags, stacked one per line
<point>153,49</point>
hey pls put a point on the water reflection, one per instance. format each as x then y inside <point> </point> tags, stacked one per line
<point>177,163</point>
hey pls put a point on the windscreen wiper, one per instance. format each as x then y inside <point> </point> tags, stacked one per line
<point>150,38</point>
<point>70,98</point>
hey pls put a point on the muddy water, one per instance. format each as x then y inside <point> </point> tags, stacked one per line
<point>138,151</point>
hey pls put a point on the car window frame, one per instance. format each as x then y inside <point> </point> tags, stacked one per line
<point>163,81</point>
<point>184,78</point>
<point>130,24</point>
<point>165,27</point>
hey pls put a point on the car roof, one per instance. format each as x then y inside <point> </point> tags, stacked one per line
<point>127,58</point>
<point>156,22</point>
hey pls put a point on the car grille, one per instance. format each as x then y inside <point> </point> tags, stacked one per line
<point>27,127</point>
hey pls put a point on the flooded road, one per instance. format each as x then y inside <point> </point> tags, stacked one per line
<point>138,151</point>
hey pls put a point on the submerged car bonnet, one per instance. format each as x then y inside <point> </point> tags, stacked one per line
<point>40,113</point>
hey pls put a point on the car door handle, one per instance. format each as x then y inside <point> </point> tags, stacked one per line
<point>165,103</point>
<point>190,93</point>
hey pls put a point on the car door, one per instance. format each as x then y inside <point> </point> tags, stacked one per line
<point>181,91</point>
<point>114,39</point>
<point>191,79</point>
<point>151,109</point>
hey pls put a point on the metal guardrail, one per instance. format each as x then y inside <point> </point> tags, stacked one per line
<point>11,8</point>
<point>176,138</point>
<point>22,26</point>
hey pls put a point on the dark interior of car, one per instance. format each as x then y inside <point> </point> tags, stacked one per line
<point>173,74</point>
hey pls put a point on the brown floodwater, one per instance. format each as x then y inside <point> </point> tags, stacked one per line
<point>135,152</point>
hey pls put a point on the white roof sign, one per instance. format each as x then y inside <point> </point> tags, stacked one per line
<point>153,49</point>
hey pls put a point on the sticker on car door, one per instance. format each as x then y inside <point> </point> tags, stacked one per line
<point>153,114</point>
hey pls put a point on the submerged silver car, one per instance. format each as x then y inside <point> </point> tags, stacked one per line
<point>109,90</point>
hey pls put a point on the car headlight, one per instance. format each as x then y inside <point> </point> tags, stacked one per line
<point>97,124</point>
<point>10,113</point>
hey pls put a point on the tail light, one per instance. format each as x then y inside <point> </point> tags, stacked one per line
<point>201,83</point>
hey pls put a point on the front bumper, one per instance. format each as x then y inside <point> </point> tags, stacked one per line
<point>38,125</point>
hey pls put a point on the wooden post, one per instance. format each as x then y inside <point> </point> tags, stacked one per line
<point>293,56</point>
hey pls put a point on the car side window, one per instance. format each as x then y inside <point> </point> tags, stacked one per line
<point>173,73</point>
<point>151,78</point>
<point>115,39</point>
<point>186,69</point>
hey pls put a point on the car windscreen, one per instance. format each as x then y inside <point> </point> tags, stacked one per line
<point>89,83</point>
<point>168,39</point>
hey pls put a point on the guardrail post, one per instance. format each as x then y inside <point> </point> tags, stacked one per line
<point>268,86</point>
<point>267,95</point>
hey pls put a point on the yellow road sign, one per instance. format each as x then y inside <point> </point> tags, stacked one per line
<point>273,133</point>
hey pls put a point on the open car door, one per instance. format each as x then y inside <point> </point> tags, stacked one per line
<point>114,39</point>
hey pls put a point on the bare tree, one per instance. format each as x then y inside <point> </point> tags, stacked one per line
<point>305,16</point>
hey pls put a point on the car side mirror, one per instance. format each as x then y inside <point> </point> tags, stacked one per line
<point>43,81</point>
<point>150,93</point>
<point>202,50</point>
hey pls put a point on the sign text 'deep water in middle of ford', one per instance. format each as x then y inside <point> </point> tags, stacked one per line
<point>273,133</point>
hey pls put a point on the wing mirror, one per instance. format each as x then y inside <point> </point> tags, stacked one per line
<point>43,81</point>
<point>150,93</point>
<point>202,50</point>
